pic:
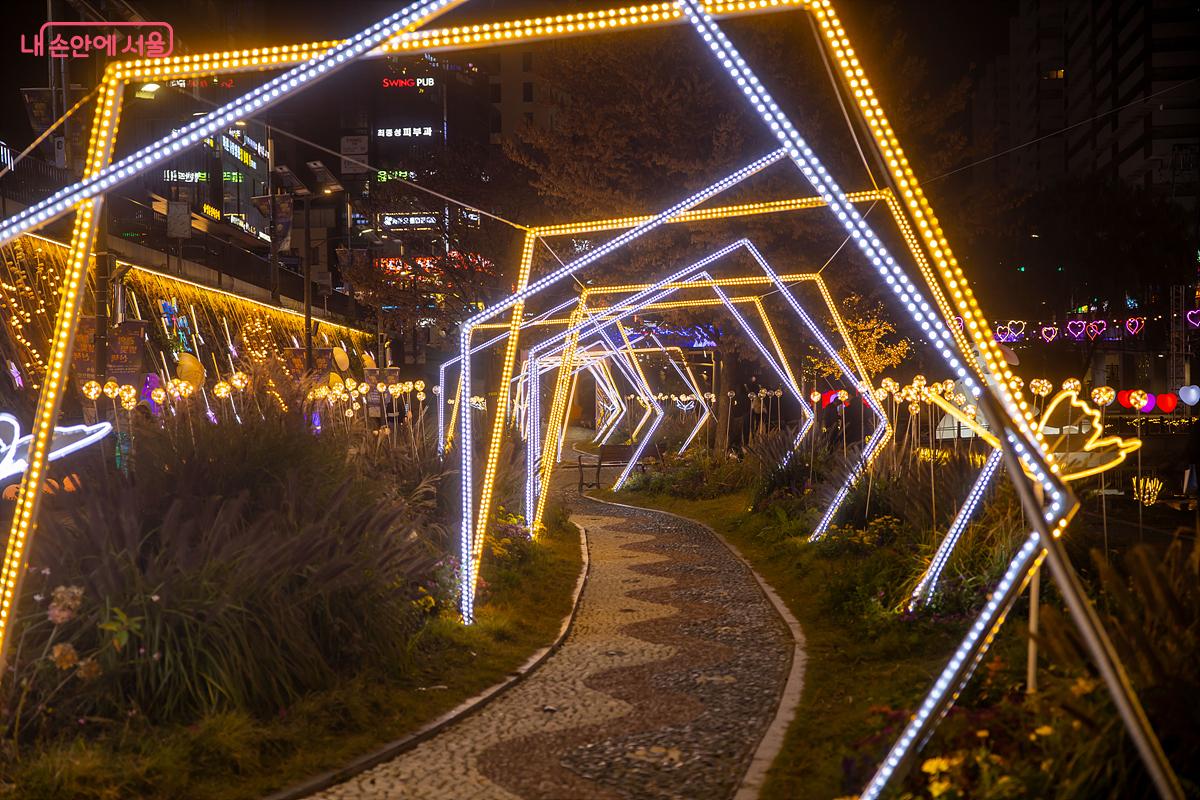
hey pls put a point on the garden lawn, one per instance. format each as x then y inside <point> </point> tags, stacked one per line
<point>233,755</point>
<point>856,660</point>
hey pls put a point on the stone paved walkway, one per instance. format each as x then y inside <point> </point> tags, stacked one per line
<point>663,689</point>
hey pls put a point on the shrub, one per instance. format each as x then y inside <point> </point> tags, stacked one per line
<point>228,567</point>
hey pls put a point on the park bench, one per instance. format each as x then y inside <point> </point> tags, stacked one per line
<point>616,455</point>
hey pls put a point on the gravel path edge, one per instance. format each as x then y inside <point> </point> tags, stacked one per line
<point>460,712</point>
<point>771,743</point>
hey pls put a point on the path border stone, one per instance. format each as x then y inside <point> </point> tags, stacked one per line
<point>771,743</point>
<point>465,709</point>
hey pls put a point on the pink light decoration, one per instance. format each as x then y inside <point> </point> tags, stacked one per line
<point>1193,317</point>
<point>1075,328</point>
<point>959,321</point>
<point>1134,325</point>
<point>1096,328</point>
<point>1150,400</point>
<point>1017,328</point>
<point>1049,333</point>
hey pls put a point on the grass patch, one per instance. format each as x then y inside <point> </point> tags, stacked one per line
<point>856,659</point>
<point>231,756</point>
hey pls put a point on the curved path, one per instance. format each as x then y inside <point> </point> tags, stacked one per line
<point>664,687</point>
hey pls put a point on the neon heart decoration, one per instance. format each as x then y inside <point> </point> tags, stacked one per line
<point>1123,398</point>
<point>1049,333</point>
<point>1166,402</point>
<point>1134,325</point>
<point>1076,327</point>
<point>958,321</point>
<point>1193,317</point>
<point>1003,334</point>
<point>1150,399</point>
<point>1016,327</point>
<point>1096,328</point>
<point>1190,394</point>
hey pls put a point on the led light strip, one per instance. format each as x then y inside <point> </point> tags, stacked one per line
<point>927,587</point>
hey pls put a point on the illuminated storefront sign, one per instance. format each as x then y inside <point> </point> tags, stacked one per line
<point>404,133</point>
<point>385,175</point>
<point>408,83</point>
<point>238,152</point>
<point>185,176</point>
<point>211,211</point>
<point>410,221</point>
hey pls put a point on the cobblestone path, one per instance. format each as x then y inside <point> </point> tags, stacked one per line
<point>663,689</point>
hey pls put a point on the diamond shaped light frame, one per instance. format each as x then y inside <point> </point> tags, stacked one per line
<point>971,352</point>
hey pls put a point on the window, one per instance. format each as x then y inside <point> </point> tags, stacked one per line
<point>497,123</point>
<point>497,92</point>
<point>527,92</point>
<point>1055,74</point>
<point>527,62</point>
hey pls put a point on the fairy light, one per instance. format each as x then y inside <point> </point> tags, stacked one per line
<point>91,390</point>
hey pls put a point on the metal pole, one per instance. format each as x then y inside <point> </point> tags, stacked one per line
<point>274,259</point>
<point>103,280</point>
<point>1035,591</point>
<point>308,344</point>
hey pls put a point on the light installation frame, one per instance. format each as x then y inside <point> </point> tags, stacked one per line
<point>875,445</point>
<point>651,294</point>
<point>1021,443</point>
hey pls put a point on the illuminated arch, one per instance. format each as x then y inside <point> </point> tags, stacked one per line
<point>987,378</point>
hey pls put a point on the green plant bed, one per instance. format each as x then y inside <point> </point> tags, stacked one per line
<point>859,657</point>
<point>228,755</point>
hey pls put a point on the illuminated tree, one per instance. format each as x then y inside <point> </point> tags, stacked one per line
<point>872,334</point>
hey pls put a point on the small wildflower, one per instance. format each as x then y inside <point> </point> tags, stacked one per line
<point>154,597</point>
<point>935,766</point>
<point>64,656</point>
<point>1044,730</point>
<point>982,734</point>
<point>64,602</point>
<point>39,597</point>
<point>45,570</point>
<point>88,669</point>
<point>1083,686</point>
<point>937,788</point>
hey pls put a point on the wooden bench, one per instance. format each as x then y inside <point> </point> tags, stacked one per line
<point>616,455</point>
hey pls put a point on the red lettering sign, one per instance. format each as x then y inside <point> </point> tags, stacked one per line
<point>389,83</point>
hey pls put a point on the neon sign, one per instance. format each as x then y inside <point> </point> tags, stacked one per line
<point>408,83</point>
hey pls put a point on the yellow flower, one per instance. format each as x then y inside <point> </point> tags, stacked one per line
<point>1083,686</point>
<point>938,788</point>
<point>935,766</point>
<point>88,669</point>
<point>64,656</point>
<point>982,734</point>
<point>1044,730</point>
